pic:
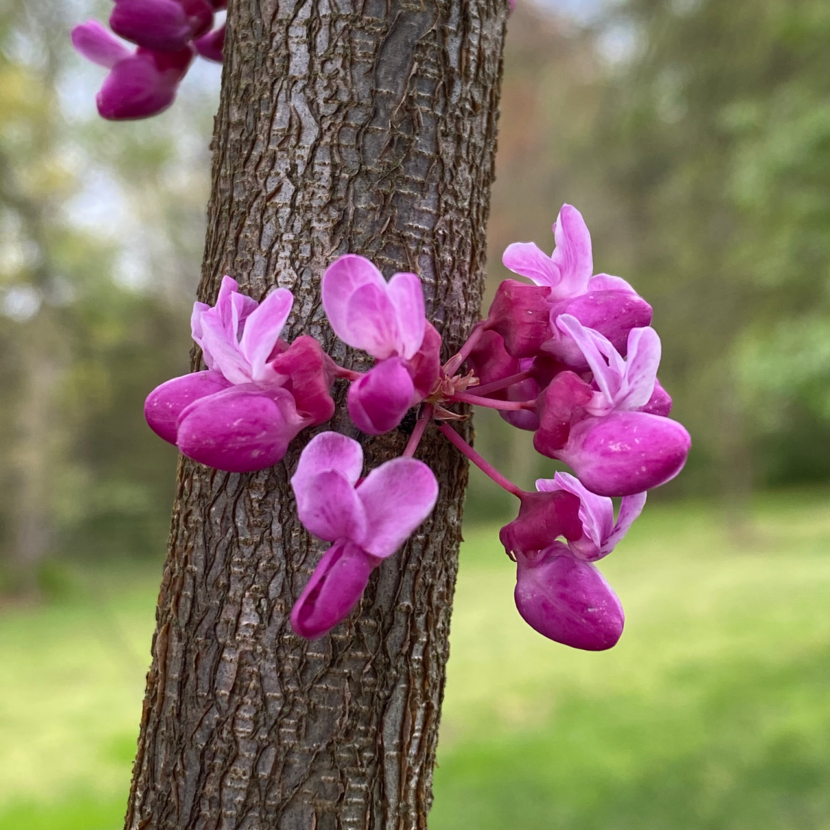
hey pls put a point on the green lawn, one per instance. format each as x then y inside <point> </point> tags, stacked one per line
<point>712,713</point>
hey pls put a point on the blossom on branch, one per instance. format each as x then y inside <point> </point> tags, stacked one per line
<point>367,519</point>
<point>257,392</point>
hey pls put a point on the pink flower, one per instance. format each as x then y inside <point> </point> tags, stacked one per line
<point>257,392</point>
<point>161,25</point>
<point>568,600</point>
<point>387,321</point>
<point>366,519</point>
<point>565,286</point>
<point>141,83</point>
<point>600,533</point>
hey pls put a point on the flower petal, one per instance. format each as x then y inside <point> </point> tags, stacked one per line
<point>527,260</point>
<point>335,588</point>
<point>98,45</point>
<point>262,330</point>
<point>307,372</point>
<point>379,400</point>
<point>240,429</point>
<point>398,496</point>
<point>572,256</point>
<point>407,296</point>
<point>568,601</point>
<point>326,451</point>
<point>630,509</point>
<point>166,403</point>
<point>372,322</point>
<point>626,452</point>
<point>224,350</point>
<point>641,368</point>
<point>605,282</point>
<point>161,25</point>
<point>212,45</point>
<point>330,508</point>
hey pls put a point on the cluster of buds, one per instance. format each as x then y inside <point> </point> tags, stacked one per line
<point>571,358</point>
<point>167,35</point>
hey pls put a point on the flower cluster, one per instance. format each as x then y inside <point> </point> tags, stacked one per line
<point>167,34</point>
<point>571,358</point>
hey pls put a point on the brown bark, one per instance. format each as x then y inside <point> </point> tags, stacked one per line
<point>365,128</point>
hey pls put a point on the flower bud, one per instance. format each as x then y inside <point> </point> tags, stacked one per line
<point>521,315</point>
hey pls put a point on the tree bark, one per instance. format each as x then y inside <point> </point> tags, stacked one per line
<point>366,128</point>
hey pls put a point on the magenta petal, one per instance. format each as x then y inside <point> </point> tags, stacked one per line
<point>568,601</point>
<point>323,453</point>
<point>659,403</point>
<point>212,45</point>
<point>161,25</point>
<point>521,315</point>
<point>165,403</point>
<point>397,496</point>
<point>98,45</point>
<point>262,330</point>
<point>605,282</point>
<point>626,452</point>
<point>526,390</point>
<point>527,260</point>
<point>310,374</point>
<point>142,85</point>
<point>407,297</point>
<point>543,517</point>
<point>240,429</point>
<point>379,400</point>
<point>572,256</point>
<point>331,509</point>
<point>425,366</point>
<point>335,588</point>
<point>559,407</point>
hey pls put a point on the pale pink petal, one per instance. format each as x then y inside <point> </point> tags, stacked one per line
<point>225,353</point>
<point>196,330</point>
<point>596,513</point>
<point>329,507</point>
<point>379,400</point>
<point>340,281</point>
<point>527,260</point>
<point>398,496</point>
<point>263,328</point>
<point>604,376</point>
<point>572,256</point>
<point>568,600</point>
<point>240,429</point>
<point>372,322</point>
<point>333,591</point>
<point>326,451</point>
<point>407,296</point>
<point>605,282</point>
<point>98,45</point>
<point>166,403</point>
<point>630,509</point>
<point>640,368</point>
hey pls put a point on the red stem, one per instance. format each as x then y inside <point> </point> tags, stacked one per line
<point>418,432</point>
<point>507,406</point>
<point>498,385</point>
<point>488,469</point>
<point>349,374</point>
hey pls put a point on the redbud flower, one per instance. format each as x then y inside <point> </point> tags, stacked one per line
<point>600,533</point>
<point>140,83</point>
<point>161,25</point>
<point>387,321</point>
<point>366,519</point>
<point>568,600</point>
<point>565,285</point>
<point>212,45</point>
<point>257,393</point>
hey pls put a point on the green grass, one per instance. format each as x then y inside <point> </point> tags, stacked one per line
<point>712,712</point>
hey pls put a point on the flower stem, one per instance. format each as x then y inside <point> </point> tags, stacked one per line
<point>488,469</point>
<point>418,432</point>
<point>507,406</point>
<point>349,374</point>
<point>454,363</point>
<point>498,385</point>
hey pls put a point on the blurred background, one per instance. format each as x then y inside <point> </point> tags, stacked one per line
<point>694,135</point>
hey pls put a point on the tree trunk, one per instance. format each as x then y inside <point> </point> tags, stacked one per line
<point>367,128</point>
